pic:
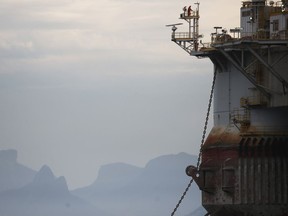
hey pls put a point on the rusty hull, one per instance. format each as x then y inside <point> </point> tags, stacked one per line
<point>243,175</point>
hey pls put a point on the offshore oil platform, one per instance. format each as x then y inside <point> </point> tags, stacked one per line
<point>244,160</point>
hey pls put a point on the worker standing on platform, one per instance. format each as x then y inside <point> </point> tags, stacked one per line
<point>189,10</point>
<point>185,10</point>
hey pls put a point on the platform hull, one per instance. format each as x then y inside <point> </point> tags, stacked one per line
<point>244,175</point>
<point>244,166</point>
<point>243,169</point>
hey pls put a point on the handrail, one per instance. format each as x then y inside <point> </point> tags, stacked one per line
<point>184,35</point>
<point>223,38</point>
<point>260,35</point>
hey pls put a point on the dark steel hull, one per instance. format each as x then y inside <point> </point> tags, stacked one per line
<point>243,175</point>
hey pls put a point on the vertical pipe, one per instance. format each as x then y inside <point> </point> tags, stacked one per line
<point>279,178</point>
<point>190,29</point>
<point>239,198</point>
<point>285,180</point>
<point>266,184</point>
<point>242,59</point>
<point>258,180</point>
<point>245,177</point>
<point>251,179</point>
<point>272,180</point>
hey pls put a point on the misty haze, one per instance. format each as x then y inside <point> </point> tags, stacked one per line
<point>119,188</point>
<point>100,113</point>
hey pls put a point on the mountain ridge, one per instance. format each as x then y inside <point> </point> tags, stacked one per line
<point>158,185</point>
<point>119,187</point>
<point>12,174</point>
<point>46,195</point>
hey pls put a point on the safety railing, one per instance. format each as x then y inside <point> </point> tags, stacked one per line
<point>205,45</point>
<point>281,35</point>
<point>185,36</point>
<point>260,35</point>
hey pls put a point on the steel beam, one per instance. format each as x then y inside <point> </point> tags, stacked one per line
<point>268,66</point>
<point>243,71</point>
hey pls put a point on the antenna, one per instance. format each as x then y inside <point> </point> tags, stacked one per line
<point>174,28</point>
<point>174,24</point>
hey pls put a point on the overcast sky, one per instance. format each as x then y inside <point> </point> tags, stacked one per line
<point>84,83</point>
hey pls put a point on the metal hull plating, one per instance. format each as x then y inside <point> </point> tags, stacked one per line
<point>243,175</point>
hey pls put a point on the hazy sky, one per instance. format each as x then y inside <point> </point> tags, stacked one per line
<point>89,82</point>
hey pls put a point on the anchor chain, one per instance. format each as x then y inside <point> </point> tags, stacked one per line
<point>206,121</point>
<point>201,146</point>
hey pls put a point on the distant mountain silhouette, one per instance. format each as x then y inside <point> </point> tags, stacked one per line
<point>120,189</point>
<point>152,190</point>
<point>111,177</point>
<point>12,174</point>
<point>46,195</point>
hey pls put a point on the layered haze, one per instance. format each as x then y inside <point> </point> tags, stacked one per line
<point>86,83</point>
<point>118,189</point>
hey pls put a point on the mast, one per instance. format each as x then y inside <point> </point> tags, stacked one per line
<point>189,41</point>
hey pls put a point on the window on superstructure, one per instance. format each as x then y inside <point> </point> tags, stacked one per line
<point>267,24</point>
<point>246,13</point>
<point>276,25</point>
